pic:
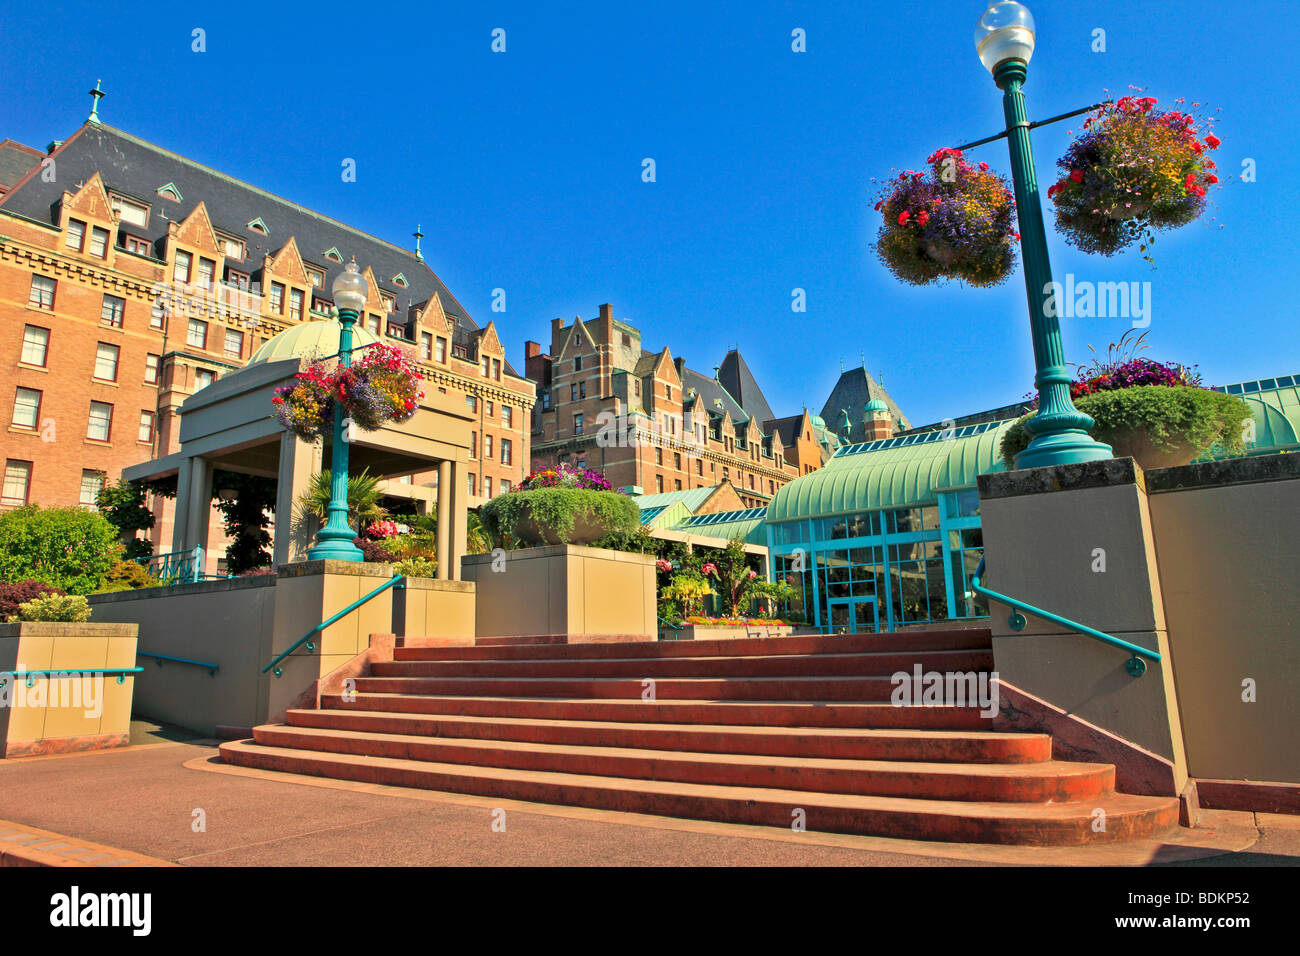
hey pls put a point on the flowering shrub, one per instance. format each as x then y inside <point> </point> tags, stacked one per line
<point>662,565</point>
<point>20,592</point>
<point>65,608</point>
<point>1134,169</point>
<point>305,408</point>
<point>565,477</point>
<point>954,224</point>
<point>380,529</point>
<point>381,387</point>
<point>1122,368</point>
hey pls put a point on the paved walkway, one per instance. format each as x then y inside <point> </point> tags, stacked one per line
<point>174,801</point>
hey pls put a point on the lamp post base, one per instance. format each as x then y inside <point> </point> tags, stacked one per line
<point>336,551</point>
<point>1068,446</point>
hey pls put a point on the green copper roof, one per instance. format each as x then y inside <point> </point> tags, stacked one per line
<point>314,339</point>
<point>875,405</point>
<point>893,473</point>
<point>1275,405</point>
<point>664,516</point>
<point>692,498</point>
<point>746,525</point>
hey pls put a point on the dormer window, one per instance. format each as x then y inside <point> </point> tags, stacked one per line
<point>258,226</point>
<point>390,304</point>
<point>333,254</point>
<point>316,276</point>
<point>400,279</point>
<point>170,192</point>
<point>129,211</point>
<point>231,247</point>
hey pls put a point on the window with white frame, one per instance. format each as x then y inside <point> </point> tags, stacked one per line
<point>440,350</point>
<point>277,298</point>
<point>27,408</point>
<point>506,451</point>
<point>426,346</point>
<point>487,446</point>
<point>181,267</point>
<point>234,344</point>
<point>99,242</point>
<point>100,425</point>
<point>92,483</point>
<point>295,304</point>
<point>146,425</point>
<point>507,416</point>
<point>106,362</point>
<point>76,235</point>
<point>207,274</point>
<point>18,482</point>
<point>112,311</point>
<point>151,363</point>
<point>197,334</point>
<point>203,377</point>
<point>42,292</point>
<point>36,345</point>
<point>130,212</point>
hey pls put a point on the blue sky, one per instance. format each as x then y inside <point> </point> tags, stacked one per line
<point>524,167</point>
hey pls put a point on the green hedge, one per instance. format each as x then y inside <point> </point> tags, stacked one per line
<point>69,548</point>
<point>1169,415</point>
<point>556,509</point>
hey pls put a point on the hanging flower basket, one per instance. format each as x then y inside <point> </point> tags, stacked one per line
<point>306,407</point>
<point>381,387</point>
<point>955,223</point>
<point>1133,170</point>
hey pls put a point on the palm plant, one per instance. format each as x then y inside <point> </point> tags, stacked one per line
<point>364,497</point>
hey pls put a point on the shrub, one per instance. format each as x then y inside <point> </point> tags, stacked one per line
<point>70,548</point>
<point>374,551</point>
<point>1169,416</point>
<point>565,477</point>
<point>128,576</point>
<point>554,511</point>
<point>64,608</point>
<point>416,567</point>
<point>12,595</point>
<point>123,505</point>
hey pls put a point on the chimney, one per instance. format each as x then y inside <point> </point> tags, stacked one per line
<point>53,146</point>
<point>606,312</point>
<point>531,349</point>
<point>681,366</point>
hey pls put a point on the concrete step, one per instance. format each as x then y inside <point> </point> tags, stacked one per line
<point>936,746</point>
<point>532,639</point>
<point>827,713</point>
<point>1053,781</point>
<point>1036,824</point>
<point>549,649</point>
<point>785,665</point>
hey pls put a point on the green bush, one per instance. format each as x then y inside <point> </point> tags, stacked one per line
<point>555,510</point>
<point>12,595</point>
<point>64,608</point>
<point>1170,416</point>
<point>416,567</point>
<point>123,505</point>
<point>128,576</point>
<point>69,548</point>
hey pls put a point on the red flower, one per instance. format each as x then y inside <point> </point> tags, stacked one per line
<point>1211,179</point>
<point>1212,141</point>
<point>1190,181</point>
<point>903,217</point>
<point>879,204</point>
<point>922,218</point>
<point>1055,188</point>
<point>1076,175</point>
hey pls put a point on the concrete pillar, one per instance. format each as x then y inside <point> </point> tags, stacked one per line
<point>444,523</point>
<point>180,517</point>
<point>459,495</point>
<point>200,503</point>
<point>293,530</point>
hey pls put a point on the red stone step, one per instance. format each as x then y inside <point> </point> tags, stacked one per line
<point>523,641</point>
<point>1054,781</point>
<point>788,665</point>
<point>668,688</point>
<point>954,640</point>
<point>1059,824</point>
<point>855,743</point>
<point>828,713</point>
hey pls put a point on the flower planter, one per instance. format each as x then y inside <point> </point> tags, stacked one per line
<point>723,632</point>
<point>586,529</point>
<point>1137,444</point>
<point>557,515</point>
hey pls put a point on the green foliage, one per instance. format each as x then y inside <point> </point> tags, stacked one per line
<point>69,548</point>
<point>375,552</point>
<point>65,608</point>
<point>531,516</point>
<point>686,589</point>
<point>123,506</point>
<point>1170,417</point>
<point>736,575</point>
<point>772,594</point>
<point>128,576</point>
<point>637,541</point>
<point>246,519</point>
<point>12,595</point>
<point>416,567</point>
<point>364,497</point>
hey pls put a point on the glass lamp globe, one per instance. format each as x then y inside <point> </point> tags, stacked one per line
<point>350,288</point>
<point>1005,32</point>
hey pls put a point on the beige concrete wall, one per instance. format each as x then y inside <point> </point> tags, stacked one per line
<point>564,589</point>
<point>54,715</point>
<point>429,607</point>
<point>1230,566</point>
<point>1045,532</point>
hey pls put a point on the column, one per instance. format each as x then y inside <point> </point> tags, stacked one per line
<point>444,521</point>
<point>457,510</point>
<point>298,461</point>
<point>200,503</point>
<point>180,518</point>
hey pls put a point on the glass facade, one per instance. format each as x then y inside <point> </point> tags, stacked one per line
<point>880,570</point>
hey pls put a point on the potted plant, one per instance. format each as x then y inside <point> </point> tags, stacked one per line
<point>306,407</point>
<point>1134,169</point>
<point>1157,413</point>
<point>559,506</point>
<point>955,223</point>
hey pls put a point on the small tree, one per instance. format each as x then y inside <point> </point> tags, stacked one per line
<point>246,519</point>
<point>123,506</point>
<point>736,578</point>
<point>689,588</point>
<point>69,548</point>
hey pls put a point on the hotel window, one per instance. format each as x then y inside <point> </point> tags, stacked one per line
<point>295,304</point>
<point>317,278</point>
<point>27,408</point>
<point>573,393</point>
<point>577,424</point>
<point>36,344</point>
<point>100,425</point>
<point>426,346</point>
<point>372,323</point>
<point>471,482</point>
<point>659,457</point>
<point>76,235</point>
<point>440,351</point>
<point>699,466</point>
<point>18,479</point>
<point>505,486</point>
<point>232,248</point>
<point>507,416</point>
<point>92,483</point>
<point>390,304</point>
<point>473,444</point>
<point>203,377</point>
<point>496,369</point>
<point>181,268</point>
<point>487,446</point>
<point>106,362</point>
<point>506,452</point>
<point>577,363</point>
<point>472,402</point>
<point>491,410</point>
<point>771,487</point>
<point>136,245</point>
<point>197,335</point>
<point>582,389</point>
<point>659,484</point>
<point>158,316</point>
<point>668,391</point>
<point>99,242</point>
<point>131,212</point>
<point>234,342</point>
<point>483,366</point>
<point>112,311</point>
<point>42,292</point>
<point>151,368</point>
<point>207,273</point>
<point>677,484</point>
<point>487,486</point>
<point>277,298</point>
<point>677,461</point>
<point>546,400</point>
<point>237,279</point>
<point>146,426</point>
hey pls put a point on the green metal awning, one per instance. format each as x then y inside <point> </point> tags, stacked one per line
<point>898,472</point>
<point>746,525</point>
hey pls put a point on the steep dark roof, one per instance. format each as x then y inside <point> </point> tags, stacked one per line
<point>787,428</point>
<point>851,393</point>
<point>708,390</point>
<point>739,381</point>
<point>138,168</point>
<point>15,160</point>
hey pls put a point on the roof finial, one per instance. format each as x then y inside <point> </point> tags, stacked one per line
<point>418,236</point>
<point>95,95</point>
<point>841,366</point>
<point>864,359</point>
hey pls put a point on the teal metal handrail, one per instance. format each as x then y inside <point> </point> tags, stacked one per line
<point>1135,665</point>
<point>60,672</point>
<point>274,666</point>
<point>159,658</point>
<point>675,627</point>
<point>175,567</point>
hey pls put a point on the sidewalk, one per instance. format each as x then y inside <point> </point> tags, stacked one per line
<point>173,801</point>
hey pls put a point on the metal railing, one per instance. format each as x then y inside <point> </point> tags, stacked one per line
<point>159,658</point>
<point>274,666</point>
<point>175,567</point>
<point>1135,665</point>
<point>57,673</point>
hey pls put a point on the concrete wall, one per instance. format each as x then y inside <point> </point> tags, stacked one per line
<point>62,714</point>
<point>428,607</point>
<point>1228,544</point>
<point>564,589</point>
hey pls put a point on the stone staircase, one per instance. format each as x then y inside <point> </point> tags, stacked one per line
<point>770,731</point>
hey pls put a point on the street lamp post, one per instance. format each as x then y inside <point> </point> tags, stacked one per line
<point>334,541</point>
<point>1004,39</point>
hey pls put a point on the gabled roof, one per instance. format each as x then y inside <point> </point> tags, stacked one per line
<point>851,393</point>
<point>709,393</point>
<point>135,167</point>
<point>16,160</point>
<point>788,428</point>
<point>734,375</point>
<point>692,498</point>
